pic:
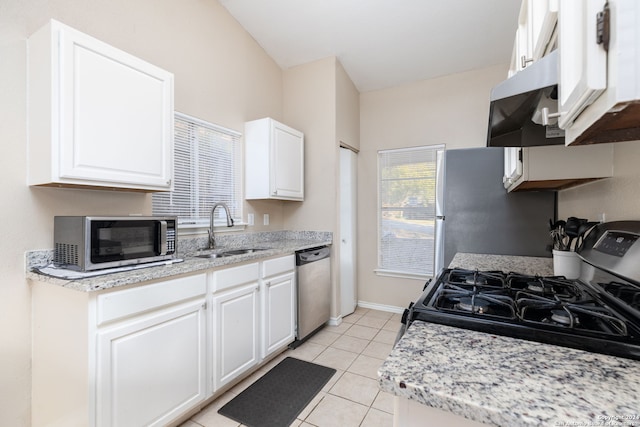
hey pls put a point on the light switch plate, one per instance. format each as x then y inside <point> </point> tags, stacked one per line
<point>266,219</point>
<point>250,219</point>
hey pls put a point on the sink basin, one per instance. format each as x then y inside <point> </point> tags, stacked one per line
<point>221,253</point>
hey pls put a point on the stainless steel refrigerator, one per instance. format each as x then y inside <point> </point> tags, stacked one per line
<point>475,214</point>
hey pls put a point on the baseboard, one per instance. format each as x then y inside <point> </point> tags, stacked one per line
<point>335,321</point>
<point>381,307</point>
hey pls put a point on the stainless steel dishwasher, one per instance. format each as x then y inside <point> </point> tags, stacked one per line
<point>314,291</point>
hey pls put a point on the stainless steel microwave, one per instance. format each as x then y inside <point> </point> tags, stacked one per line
<point>95,242</point>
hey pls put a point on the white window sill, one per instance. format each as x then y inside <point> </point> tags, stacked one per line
<point>193,229</point>
<point>401,274</point>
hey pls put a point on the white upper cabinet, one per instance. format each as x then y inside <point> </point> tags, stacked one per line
<point>555,167</point>
<point>599,73</point>
<point>274,161</point>
<point>535,33</point>
<point>583,62</point>
<point>98,116</point>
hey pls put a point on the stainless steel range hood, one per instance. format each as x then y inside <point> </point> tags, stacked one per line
<point>515,112</point>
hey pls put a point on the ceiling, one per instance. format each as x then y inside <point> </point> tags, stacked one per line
<point>383,43</point>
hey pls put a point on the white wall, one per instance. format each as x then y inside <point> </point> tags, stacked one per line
<point>617,197</point>
<point>451,110</point>
<point>221,75</point>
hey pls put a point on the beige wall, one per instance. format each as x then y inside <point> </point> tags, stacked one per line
<point>221,75</point>
<point>452,110</point>
<point>617,197</point>
<point>321,100</point>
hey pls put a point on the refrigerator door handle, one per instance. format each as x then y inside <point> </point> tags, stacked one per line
<point>438,261</point>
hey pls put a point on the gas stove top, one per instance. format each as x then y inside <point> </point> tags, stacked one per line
<point>598,313</point>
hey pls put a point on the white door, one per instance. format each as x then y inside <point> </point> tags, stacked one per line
<point>153,369</point>
<point>278,319</point>
<point>348,210</point>
<point>235,328</point>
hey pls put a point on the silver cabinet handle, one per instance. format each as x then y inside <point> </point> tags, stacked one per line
<point>524,61</point>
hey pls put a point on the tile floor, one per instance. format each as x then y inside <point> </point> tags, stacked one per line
<point>355,348</point>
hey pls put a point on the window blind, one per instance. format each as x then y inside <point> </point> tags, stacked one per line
<point>207,170</point>
<point>407,193</point>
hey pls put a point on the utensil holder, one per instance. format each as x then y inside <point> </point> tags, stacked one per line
<point>566,263</point>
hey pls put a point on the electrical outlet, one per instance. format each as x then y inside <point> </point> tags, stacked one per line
<point>250,219</point>
<point>265,218</point>
<point>602,217</point>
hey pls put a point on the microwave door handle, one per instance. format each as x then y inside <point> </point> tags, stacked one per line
<point>162,238</point>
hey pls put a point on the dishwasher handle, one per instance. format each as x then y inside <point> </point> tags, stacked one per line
<point>312,255</point>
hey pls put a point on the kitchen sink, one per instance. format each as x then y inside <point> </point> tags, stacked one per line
<point>221,253</point>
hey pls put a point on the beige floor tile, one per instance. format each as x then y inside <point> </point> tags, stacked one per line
<point>387,337</point>
<point>353,344</point>
<point>352,318</point>
<point>209,417</point>
<point>396,316</point>
<point>366,366</point>
<point>306,425</point>
<point>312,405</point>
<point>336,358</point>
<point>242,385</point>
<point>383,402</point>
<point>296,423</point>
<point>392,325</point>
<point>356,388</point>
<point>361,310</point>
<point>372,322</point>
<point>189,423</point>
<point>324,337</point>
<point>378,350</point>
<point>307,351</point>
<point>340,329</point>
<point>376,418</point>
<point>334,379</point>
<point>333,411</point>
<point>363,332</point>
<point>386,315</point>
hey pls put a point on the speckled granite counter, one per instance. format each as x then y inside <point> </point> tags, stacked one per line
<point>504,381</point>
<point>525,265</point>
<point>274,243</point>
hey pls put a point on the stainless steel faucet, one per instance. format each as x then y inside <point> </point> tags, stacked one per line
<point>212,241</point>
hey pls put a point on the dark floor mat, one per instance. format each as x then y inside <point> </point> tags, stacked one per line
<point>276,399</point>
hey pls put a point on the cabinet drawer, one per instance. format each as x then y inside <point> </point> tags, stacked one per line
<point>119,304</point>
<point>278,266</point>
<point>235,276</point>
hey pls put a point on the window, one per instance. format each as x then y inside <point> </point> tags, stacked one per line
<point>406,205</point>
<point>207,170</point>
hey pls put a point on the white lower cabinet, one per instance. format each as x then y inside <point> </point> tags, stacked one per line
<point>279,304</point>
<point>152,370</point>
<point>235,330</point>
<point>253,316</point>
<point>146,355</point>
<point>124,357</point>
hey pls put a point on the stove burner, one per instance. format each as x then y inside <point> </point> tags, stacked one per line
<point>535,286</point>
<point>473,280</point>
<point>561,317</point>
<point>474,305</point>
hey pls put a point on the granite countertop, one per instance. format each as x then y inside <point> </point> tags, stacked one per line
<point>273,243</point>
<point>505,381</point>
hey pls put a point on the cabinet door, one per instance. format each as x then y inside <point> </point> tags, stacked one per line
<point>152,369</point>
<point>278,317</point>
<point>108,115</point>
<point>235,329</point>
<point>287,163</point>
<point>512,165</point>
<point>583,62</point>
